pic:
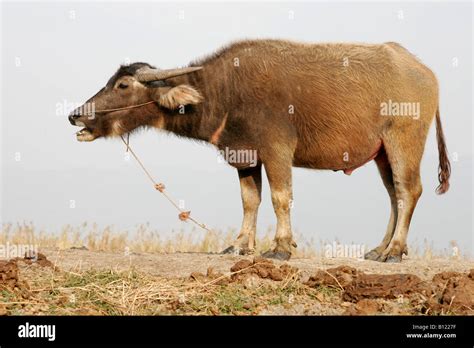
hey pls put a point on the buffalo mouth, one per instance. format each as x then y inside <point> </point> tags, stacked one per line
<point>85,134</point>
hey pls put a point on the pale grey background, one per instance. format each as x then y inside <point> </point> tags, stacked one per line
<point>64,58</point>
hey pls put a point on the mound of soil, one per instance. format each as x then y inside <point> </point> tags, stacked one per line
<point>364,307</point>
<point>37,258</point>
<point>388,286</point>
<point>452,292</point>
<point>357,285</point>
<point>263,268</point>
<point>10,277</point>
<point>211,277</point>
<point>340,276</point>
<point>247,272</point>
<point>8,274</point>
<point>448,292</point>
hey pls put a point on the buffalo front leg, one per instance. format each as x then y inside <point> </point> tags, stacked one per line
<point>279,177</point>
<point>251,190</point>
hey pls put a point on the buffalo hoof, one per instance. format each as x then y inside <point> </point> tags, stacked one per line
<point>372,255</point>
<point>237,251</point>
<point>278,255</point>
<point>246,251</point>
<point>229,250</point>
<point>394,259</point>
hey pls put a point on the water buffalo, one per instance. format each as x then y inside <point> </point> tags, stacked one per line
<point>319,106</point>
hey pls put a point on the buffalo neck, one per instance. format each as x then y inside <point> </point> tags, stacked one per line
<point>199,121</point>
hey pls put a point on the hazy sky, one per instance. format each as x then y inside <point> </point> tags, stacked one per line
<point>55,55</point>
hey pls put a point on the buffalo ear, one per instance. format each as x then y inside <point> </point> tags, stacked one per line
<point>173,97</point>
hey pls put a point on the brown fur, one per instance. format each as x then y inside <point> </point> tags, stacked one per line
<point>304,105</point>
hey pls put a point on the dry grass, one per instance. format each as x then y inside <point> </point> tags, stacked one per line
<point>133,292</point>
<point>110,292</point>
<point>144,239</point>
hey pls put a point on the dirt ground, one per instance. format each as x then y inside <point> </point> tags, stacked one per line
<point>178,265</point>
<point>78,281</point>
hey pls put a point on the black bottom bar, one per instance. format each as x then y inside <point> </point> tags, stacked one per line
<point>224,331</point>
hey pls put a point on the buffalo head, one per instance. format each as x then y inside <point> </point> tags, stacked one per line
<point>136,95</point>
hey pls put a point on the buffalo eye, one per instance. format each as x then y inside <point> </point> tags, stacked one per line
<point>122,85</point>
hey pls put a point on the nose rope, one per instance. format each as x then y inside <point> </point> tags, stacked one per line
<point>183,215</point>
<point>122,108</point>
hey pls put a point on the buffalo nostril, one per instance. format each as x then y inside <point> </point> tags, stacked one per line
<point>72,119</point>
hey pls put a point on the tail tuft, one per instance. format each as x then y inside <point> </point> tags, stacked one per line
<point>444,168</point>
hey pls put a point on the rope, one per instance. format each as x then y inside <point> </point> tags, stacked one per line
<point>183,215</point>
<point>124,108</point>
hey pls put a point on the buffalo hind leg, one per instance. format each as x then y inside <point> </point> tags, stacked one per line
<point>278,171</point>
<point>408,190</point>
<point>387,177</point>
<point>251,190</point>
<point>404,154</point>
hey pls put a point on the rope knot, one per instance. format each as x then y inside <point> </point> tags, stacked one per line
<point>160,187</point>
<point>184,215</point>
